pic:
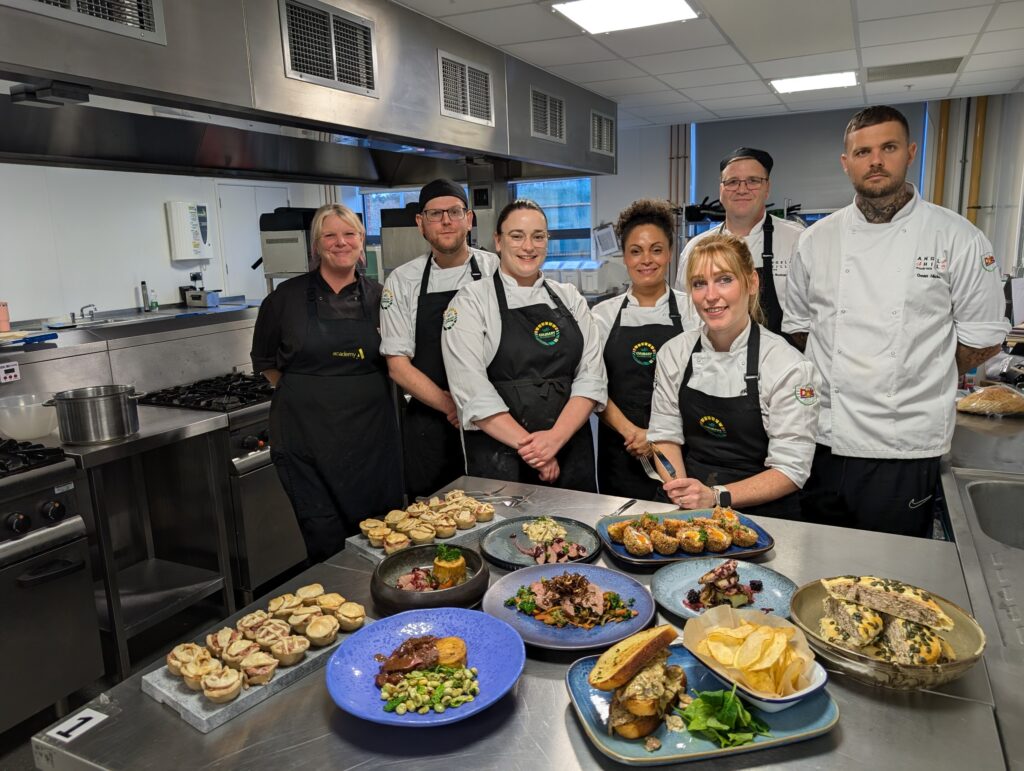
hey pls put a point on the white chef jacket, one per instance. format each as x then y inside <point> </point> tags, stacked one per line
<point>635,316</point>
<point>784,239</point>
<point>398,301</point>
<point>472,332</point>
<point>884,306</point>
<point>787,390</point>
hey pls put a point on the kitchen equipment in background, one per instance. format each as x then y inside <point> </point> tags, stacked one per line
<point>400,239</point>
<point>144,296</point>
<point>25,416</point>
<point>589,276</point>
<point>202,298</point>
<point>218,394</point>
<point>188,224</point>
<point>96,414</point>
<point>284,240</point>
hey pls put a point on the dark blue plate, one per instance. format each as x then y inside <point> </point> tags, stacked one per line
<point>671,584</point>
<point>814,716</point>
<point>764,543</point>
<point>492,646</point>
<point>570,637</point>
<point>498,546</point>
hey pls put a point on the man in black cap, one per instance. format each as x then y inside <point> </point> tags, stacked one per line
<point>412,306</point>
<point>743,190</point>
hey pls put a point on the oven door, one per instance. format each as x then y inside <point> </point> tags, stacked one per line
<point>267,538</point>
<point>51,638</point>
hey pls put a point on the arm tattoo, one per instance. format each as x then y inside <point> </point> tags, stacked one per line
<point>968,358</point>
<point>800,340</point>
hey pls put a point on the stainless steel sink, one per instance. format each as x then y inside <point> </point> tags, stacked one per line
<point>999,508</point>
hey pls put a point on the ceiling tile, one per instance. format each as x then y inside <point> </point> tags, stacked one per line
<point>654,110</point>
<point>749,88</point>
<point>683,61</point>
<point>710,77</point>
<point>781,28</point>
<point>739,101</point>
<point>655,97</point>
<point>922,51</point>
<point>995,61</point>
<point>928,83</point>
<point>822,105</point>
<point>629,120</point>
<point>566,50</point>
<point>592,71</point>
<point>694,114</point>
<point>624,86</point>
<point>1001,40</point>
<point>1007,16</point>
<point>661,38</point>
<point>440,8</point>
<point>840,61</point>
<point>1001,87</point>
<point>911,98</point>
<point>749,112</point>
<point>988,76</point>
<point>887,9</point>
<point>825,94</point>
<point>518,24</point>
<point>926,26</point>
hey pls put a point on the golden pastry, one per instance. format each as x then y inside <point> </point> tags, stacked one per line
<point>396,542</point>
<point>309,593</point>
<point>464,520</point>
<point>484,512</point>
<point>258,668</point>
<point>277,602</point>
<point>454,495</point>
<point>351,616</point>
<point>249,623</point>
<point>377,536</point>
<point>395,516</point>
<point>301,617</point>
<point>195,670</point>
<point>271,631</point>
<point>435,503</point>
<point>445,527</point>
<point>418,509</point>
<point>290,650</point>
<point>237,651</point>
<point>431,517</point>
<point>222,686</point>
<point>288,605</point>
<point>221,639</point>
<point>329,602</point>
<point>323,630</point>
<point>421,534</point>
<point>182,654</point>
<point>369,524</point>
<point>407,525</point>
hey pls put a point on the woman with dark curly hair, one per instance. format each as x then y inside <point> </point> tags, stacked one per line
<point>633,329</point>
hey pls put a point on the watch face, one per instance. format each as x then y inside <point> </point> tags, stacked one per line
<point>725,499</point>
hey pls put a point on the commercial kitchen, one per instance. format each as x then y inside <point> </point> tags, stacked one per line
<point>159,166</point>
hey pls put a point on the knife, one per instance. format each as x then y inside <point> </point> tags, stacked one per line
<point>665,462</point>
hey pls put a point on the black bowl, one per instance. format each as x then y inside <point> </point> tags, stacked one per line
<point>389,599</point>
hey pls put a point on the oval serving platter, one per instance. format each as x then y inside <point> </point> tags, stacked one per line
<point>499,545</point>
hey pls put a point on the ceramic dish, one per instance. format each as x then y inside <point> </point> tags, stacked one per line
<point>966,638</point>
<point>671,584</point>
<point>390,599</point>
<point>814,716</point>
<point>499,545</point>
<point>493,648</point>
<point>569,637</point>
<point>764,541</point>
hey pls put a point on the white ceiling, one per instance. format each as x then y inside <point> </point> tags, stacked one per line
<point>718,66</point>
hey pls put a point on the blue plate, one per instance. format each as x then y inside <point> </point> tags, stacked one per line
<point>498,546</point>
<point>814,716</point>
<point>493,647</point>
<point>570,638</point>
<point>764,541</point>
<point>672,582</point>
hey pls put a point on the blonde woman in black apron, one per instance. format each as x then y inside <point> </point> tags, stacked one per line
<point>634,328</point>
<point>333,431</point>
<point>524,364</point>
<point>735,407</point>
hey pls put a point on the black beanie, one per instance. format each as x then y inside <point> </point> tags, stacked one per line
<point>746,152</point>
<point>440,188</point>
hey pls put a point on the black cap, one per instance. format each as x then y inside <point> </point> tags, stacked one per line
<point>748,152</point>
<point>440,188</point>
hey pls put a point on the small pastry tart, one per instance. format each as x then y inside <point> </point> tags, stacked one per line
<point>431,517</point>
<point>221,639</point>
<point>323,630</point>
<point>451,509</point>
<point>395,516</point>
<point>422,534</point>
<point>309,593</point>
<point>183,654</point>
<point>288,604</point>
<point>351,616</point>
<point>194,671</point>
<point>454,495</point>
<point>369,524</point>
<point>290,650</point>
<point>377,536</point>
<point>484,512</point>
<point>258,668</point>
<point>300,619</point>
<point>445,527</point>
<point>271,631</point>
<point>329,602</point>
<point>408,524</point>
<point>249,623</point>
<point>464,520</point>
<point>435,503</point>
<point>237,651</point>
<point>396,542</point>
<point>418,509</point>
<point>222,686</point>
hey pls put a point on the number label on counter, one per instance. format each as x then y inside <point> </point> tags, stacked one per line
<point>77,725</point>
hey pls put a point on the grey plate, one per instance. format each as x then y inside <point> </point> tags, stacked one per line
<point>361,544</point>
<point>498,546</point>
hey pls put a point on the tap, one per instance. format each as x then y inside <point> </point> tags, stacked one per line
<point>90,307</point>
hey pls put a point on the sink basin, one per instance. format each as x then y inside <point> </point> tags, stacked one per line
<point>999,508</point>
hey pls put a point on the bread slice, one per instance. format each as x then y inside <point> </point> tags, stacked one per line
<point>617,665</point>
<point>912,644</point>
<point>889,596</point>
<point>861,624</point>
<point>630,726</point>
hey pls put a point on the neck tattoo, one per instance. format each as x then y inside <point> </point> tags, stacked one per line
<point>881,210</point>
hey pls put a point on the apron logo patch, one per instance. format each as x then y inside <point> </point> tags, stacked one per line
<point>988,262</point>
<point>713,426</point>
<point>547,333</point>
<point>387,299</point>
<point>356,354</point>
<point>645,354</point>
<point>451,315</point>
<point>806,395</point>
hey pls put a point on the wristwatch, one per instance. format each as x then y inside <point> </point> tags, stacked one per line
<point>722,496</point>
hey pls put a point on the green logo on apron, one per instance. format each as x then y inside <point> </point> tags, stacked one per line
<point>645,354</point>
<point>547,333</point>
<point>713,426</point>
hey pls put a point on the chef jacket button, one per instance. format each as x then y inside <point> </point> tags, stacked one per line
<point>895,313</point>
<point>840,351</point>
<point>892,353</point>
<point>846,271</point>
<point>842,310</point>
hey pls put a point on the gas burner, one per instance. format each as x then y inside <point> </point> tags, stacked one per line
<point>18,456</point>
<point>226,393</point>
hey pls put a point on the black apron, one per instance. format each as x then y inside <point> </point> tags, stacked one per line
<point>432,448</point>
<point>725,436</point>
<point>533,370</point>
<point>769,297</point>
<point>629,356</point>
<point>332,426</point>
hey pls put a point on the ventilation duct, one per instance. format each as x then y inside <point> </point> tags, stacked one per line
<point>914,69</point>
<point>465,90</point>
<point>325,45</point>
<point>547,116</point>
<point>143,19</point>
<point>602,133</point>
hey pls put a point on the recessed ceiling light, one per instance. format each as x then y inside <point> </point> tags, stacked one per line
<point>815,82</point>
<point>596,16</point>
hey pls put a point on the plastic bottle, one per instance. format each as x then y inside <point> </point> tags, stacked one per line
<point>154,303</point>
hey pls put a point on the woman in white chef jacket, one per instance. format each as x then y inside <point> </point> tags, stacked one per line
<point>735,407</point>
<point>633,329</point>
<point>524,364</point>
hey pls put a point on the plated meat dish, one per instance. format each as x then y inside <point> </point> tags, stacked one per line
<point>571,600</point>
<point>549,545</point>
<point>426,674</point>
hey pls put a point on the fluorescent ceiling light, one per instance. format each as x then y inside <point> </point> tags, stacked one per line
<point>815,82</point>
<point>596,16</point>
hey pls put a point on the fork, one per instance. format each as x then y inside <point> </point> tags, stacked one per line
<point>649,468</point>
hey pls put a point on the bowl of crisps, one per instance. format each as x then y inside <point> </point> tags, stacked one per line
<point>764,656</point>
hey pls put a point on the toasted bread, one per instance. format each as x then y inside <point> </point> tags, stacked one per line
<point>630,726</point>
<point>618,664</point>
<point>451,652</point>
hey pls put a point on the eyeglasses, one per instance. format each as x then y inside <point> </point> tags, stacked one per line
<point>517,237</point>
<point>436,215</point>
<point>752,183</point>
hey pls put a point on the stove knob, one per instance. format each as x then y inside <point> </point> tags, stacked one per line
<point>53,511</point>
<point>251,443</point>
<point>18,523</point>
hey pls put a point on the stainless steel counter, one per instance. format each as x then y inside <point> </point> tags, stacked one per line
<point>534,727</point>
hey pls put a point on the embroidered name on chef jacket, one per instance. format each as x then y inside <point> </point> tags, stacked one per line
<point>356,354</point>
<point>547,333</point>
<point>645,354</point>
<point>713,426</point>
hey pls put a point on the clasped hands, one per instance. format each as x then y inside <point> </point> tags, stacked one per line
<point>538,450</point>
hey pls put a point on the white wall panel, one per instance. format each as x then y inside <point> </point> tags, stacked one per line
<point>643,172</point>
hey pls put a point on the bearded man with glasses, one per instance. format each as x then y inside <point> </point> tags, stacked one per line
<point>744,190</point>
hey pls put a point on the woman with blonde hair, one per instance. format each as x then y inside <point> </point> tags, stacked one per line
<point>735,407</point>
<point>333,432</point>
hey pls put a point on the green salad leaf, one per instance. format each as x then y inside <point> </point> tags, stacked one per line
<point>721,717</point>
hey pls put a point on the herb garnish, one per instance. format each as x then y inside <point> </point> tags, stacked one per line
<point>447,553</point>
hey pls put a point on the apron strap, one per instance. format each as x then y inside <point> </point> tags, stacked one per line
<point>750,380</point>
<point>618,316</point>
<point>474,269</point>
<point>673,311</point>
<point>499,291</point>
<point>556,299</point>
<point>689,362</point>
<point>766,248</point>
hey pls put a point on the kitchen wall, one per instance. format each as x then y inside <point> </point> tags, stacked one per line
<point>78,236</point>
<point>643,166</point>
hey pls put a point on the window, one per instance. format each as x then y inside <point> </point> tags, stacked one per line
<point>566,202</point>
